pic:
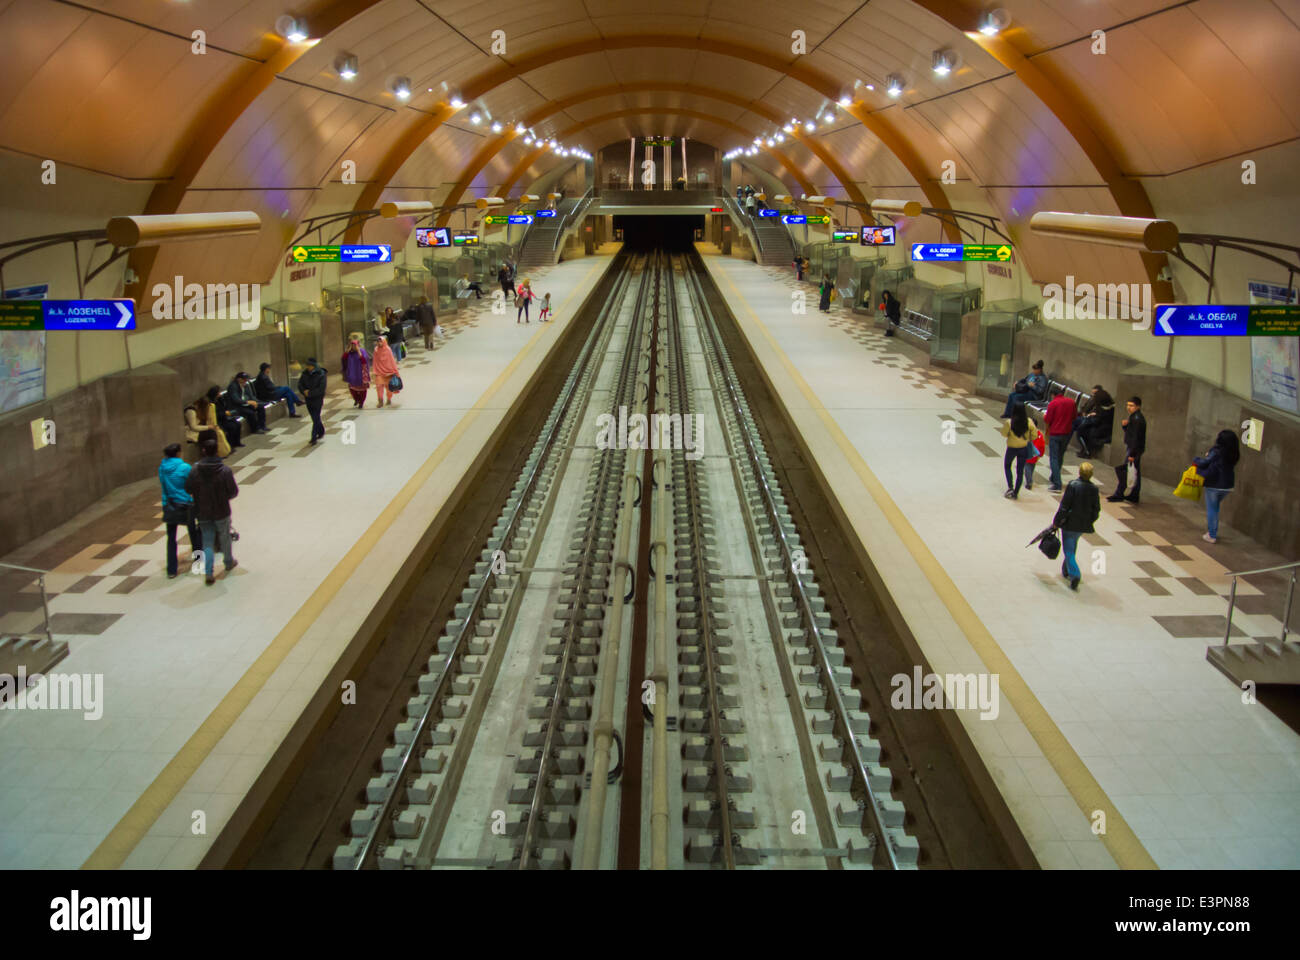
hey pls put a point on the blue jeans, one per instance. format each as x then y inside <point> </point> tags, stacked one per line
<point>1019,454</point>
<point>216,533</point>
<point>288,396</point>
<point>1013,399</point>
<point>1213,497</point>
<point>1069,543</point>
<point>1055,454</point>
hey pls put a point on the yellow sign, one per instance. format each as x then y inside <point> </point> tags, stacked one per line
<point>1004,252</point>
<point>300,254</point>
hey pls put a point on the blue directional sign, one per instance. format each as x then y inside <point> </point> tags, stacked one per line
<point>1191,320</point>
<point>937,251</point>
<point>521,218</point>
<point>361,253</point>
<point>545,213</point>
<point>36,291</point>
<point>769,212</point>
<point>794,218</point>
<point>89,314</point>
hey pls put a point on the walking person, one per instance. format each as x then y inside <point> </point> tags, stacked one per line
<point>824,292</point>
<point>312,386</point>
<point>545,314</point>
<point>177,504</point>
<point>1031,459</point>
<point>503,279</point>
<point>1020,433</point>
<point>396,333</point>
<point>202,416</point>
<point>1135,443</point>
<point>356,371</point>
<point>212,485</point>
<point>893,312</point>
<point>522,298</point>
<point>428,321</point>
<point>1032,387</point>
<point>798,269</point>
<point>268,392</point>
<point>1079,509</point>
<point>385,367</point>
<point>1217,467</point>
<point>1059,421</point>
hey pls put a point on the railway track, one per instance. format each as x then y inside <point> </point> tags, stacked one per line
<point>641,670</point>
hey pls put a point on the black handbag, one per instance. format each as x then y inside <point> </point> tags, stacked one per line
<point>176,513</point>
<point>1050,545</point>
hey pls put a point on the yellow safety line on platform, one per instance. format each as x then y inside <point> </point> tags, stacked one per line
<point>1119,838</point>
<point>131,829</point>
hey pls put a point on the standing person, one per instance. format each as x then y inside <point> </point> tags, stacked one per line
<point>1020,433</point>
<point>212,485</point>
<point>312,385</point>
<point>1217,467</point>
<point>825,291</point>
<point>396,333</point>
<point>428,321</point>
<point>1135,443</point>
<point>1031,459</point>
<point>750,204</point>
<point>798,269</point>
<point>1098,420</point>
<point>503,279</point>
<point>1032,387</point>
<point>1079,509</point>
<point>356,371</point>
<point>385,367</point>
<point>268,392</point>
<point>1059,421</point>
<point>241,395</point>
<point>202,416</point>
<point>546,309</point>
<point>177,504</point>
<point>893,312</point>
<point>522,298</point>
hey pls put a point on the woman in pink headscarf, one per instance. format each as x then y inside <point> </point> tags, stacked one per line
<point>385,367</point>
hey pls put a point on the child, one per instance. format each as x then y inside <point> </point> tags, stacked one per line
<point>546,308</point>
<point>1040,445</point>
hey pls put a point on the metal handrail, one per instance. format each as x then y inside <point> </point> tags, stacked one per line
<point>45,600</point>
<point>583,201</point>
<point>745,219</point>
<point>1293,566</point>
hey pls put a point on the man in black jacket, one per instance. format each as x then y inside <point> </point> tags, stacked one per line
<point>1079,509</point>
<point>1096,422</point>
<point>212,485</point>
<point>269,392</point>
<point>243,398</point>
<point>312,386</point>
<point>1135,443</point>
<point>397,334</point>
<point>427,320</point>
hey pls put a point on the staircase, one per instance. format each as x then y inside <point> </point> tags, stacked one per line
<point>540,248</point>
<point>32,653</point>
<point>1269,661</point>
<point>27,643</point>
<point>776,250</point>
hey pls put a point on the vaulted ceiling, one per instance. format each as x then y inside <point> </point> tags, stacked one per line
<point>1048,114</point>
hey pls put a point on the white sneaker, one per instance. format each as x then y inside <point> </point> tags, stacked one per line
<point>1209,539</point>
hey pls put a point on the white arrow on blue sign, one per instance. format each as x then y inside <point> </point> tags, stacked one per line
<point>936,251</point>
<point>88,314</point>
<point>355,253</point>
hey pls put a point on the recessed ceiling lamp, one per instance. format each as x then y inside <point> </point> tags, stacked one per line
<point>496,127</point>
<point>402,88</point>
<point>828,119</point>
<point>845,100</point>
<point>780,138</point>
<point>993,22</point>
<point>942,62</point>
<point>475,118</point>
<point>292,29</point>
<point>788,128</point>
<point>894,84</point>
<point>347,66</point>
<point>519,129</point>
<point>457,103</point>
<point>528,139</point>
<point>809,125</point>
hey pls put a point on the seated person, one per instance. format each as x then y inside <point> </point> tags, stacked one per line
<point>242,399</point>
<point>1096,423</point>
<point>206,416</point>
<point>1031,389</point>
<point>465,284</point>
<point>268,392</point>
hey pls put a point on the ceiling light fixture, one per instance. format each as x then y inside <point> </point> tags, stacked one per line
<point>496,127</point>
<point>993,22</point>
<point>402,88</point>
<point>457,103</point>
<point>519,129</point>
<point>292,29</point>
<point>894,84</point>
<point>475,118</point>
<point>809,125</point>
<point>942,62</point>
<point>788,128</point>
<point>845,100</point>
<point>347,66</point>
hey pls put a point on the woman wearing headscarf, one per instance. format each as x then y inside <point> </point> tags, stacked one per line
<point>356,370</point>
<point>826,289</point>
<point>385,366</point>
<point>893,312</point>
<point>1217,468</point>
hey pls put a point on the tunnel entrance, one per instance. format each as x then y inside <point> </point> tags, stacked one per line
<point>658,232</point>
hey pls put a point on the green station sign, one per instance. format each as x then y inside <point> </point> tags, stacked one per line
<point>315,254</point>
<point>496,218</point>
<point>1000,252</point>
<point>21,315</point>
<point>819,218</point>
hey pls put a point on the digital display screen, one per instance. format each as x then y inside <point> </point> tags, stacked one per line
<point>844,236</point>
<point>432,237</point>
<point>878,236</point>
<point>464,239</point>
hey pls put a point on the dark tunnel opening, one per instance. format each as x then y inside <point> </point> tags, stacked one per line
<point>659,232</point>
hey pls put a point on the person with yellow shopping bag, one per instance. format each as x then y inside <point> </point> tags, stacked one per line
<point>1216,470</point>
<point>1189,485</point>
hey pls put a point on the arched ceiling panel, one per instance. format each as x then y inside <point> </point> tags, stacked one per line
<point>243,27</point>
<point>1041,24</point>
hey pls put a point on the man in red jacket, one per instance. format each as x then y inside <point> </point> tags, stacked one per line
<point>1059,420</point>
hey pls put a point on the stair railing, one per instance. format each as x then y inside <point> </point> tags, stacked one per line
<point>1293,566</point>
<point>45,600</point>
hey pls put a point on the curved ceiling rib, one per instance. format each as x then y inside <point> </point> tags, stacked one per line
<point>213,123</point>
<point>479,86</point>
<point>493,146</point>
<point>529,158</point>
<point>1129,194</point>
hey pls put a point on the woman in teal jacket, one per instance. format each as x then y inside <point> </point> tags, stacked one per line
<point>177,504</point>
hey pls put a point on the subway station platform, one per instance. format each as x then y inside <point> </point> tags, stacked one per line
<point>201,684</point>
<point>1107,700</point>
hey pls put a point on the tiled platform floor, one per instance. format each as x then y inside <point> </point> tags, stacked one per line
<point>1203,779</point>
